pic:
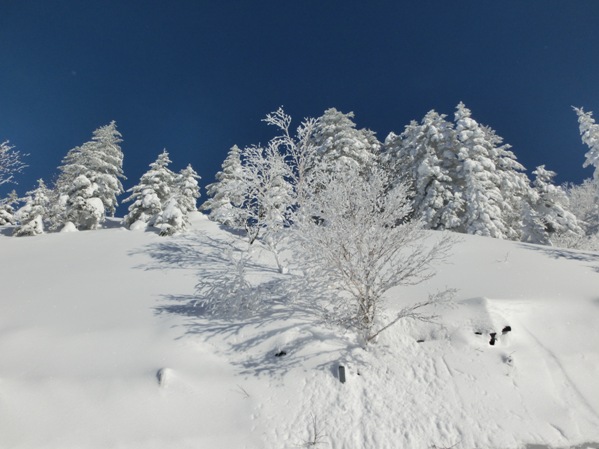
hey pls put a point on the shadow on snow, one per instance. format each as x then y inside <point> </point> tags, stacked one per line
<point>278,336</point>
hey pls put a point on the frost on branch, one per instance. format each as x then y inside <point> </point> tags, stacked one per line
<point>228,294</point>
<point>589,132</point>
<point>361,245</point>
<point>10,163</point>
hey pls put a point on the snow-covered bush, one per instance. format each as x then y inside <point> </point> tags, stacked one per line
<point>361,245</point>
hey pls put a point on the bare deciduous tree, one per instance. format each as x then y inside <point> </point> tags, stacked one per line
<point>362,245</point>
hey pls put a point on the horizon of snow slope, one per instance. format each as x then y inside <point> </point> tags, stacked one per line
<point>103,345</point>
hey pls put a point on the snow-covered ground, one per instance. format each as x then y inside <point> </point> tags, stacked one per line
<point>101,347</point>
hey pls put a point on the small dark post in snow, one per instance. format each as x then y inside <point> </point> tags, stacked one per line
<point>341,374</point>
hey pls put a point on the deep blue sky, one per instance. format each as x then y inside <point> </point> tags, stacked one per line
<point>197,76</point>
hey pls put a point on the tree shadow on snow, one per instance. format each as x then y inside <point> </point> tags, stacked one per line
<point>568,254</point>
<point>282,335</point>
<point>285,331</point>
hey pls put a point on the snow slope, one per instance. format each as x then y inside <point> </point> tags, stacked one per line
<point>102,346</point>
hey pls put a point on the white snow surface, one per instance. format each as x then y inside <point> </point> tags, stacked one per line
<point>102,346</point>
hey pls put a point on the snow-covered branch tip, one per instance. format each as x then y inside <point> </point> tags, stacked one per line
<point>10,162</point>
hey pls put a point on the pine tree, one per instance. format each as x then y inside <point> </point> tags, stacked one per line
<point>589,131</point>
<point>173,217</point>
<point>187,185</point>
<point>31,215</point>
<point>227,194</point>
<point>89,173</point>
<point>552,206</point>
<point>151,194</point>
<point>533,227</point>
<point>478,175</point>
<point>514,185</point>
<point>422,157</point>
<point>339,144</point>
<point>7,209</point>
<point>84,208</point>
<point>106,165</point>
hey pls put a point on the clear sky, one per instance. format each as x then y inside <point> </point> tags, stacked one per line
<point>197,76</point>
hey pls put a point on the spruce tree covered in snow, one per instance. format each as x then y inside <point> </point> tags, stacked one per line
<point>552,207</point>
<point>31,215</point>
<point>589,131</point>
<point>186,184</point>
<point>10,162</point>
<point>173,217</point>
<point>148,197</point>
<point>7,209</point>
<point>227,195</point>
<point>423,157</point>
<point>533,227</point>
<point>514,185</point>
<point>489,176</point>
<point>90,180</point>
<point>106,165</point>
<point>339,144</point>
<point>84,208</point>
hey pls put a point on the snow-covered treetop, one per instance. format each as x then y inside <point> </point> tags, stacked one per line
<point>10,162</point>
<point>589,131</point>
<point>339,142</point>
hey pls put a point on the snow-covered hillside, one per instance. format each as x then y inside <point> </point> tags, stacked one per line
<point>101,346</point>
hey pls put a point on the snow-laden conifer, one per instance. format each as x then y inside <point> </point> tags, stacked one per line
<point>7,209</point>
<point>106,165</point>
<point>339,144</point>
<point>31,215</point>
<point>422,156</point>
<point>172,217</point>
<point>151,193</point>
<point>589,132</point>
<point>84,208</point>
<point>533,227</point>
<point>514,184</point>
<point>186,183</point>
<point>227,194</point>
<point>482,169</point>
<point>552,206</point>
<point>90,181</point>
